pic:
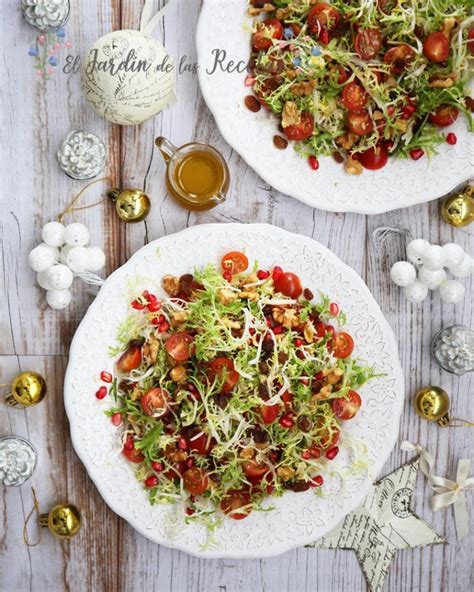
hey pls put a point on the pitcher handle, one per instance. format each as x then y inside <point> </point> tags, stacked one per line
<point>219,198</point>
<point>167,149</point>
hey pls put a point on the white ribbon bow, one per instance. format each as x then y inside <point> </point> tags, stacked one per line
<point>447,492</point>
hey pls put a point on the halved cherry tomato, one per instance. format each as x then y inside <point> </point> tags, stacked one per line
<point>360,123</point>
<point>234,262</point>
<point>301,131</point>
<point>223,368</point>
<point>444,115</point>
<point>346,408</point>
<point>254,469</point>
<point>131,359</point>
<point>436,47</point>
<point>343,345</point>
<point>155,402</point>
<point>236,499</point>
<point>269,413</point>
<point>180,346</point>
<point>287,399</point>
<point>130,452</point>
<point>201,445</point>
<point>289,284</point>
<point>323,16</point>
<point>368,43</point>
<point>196,481</point>
<point>399,58</point>
<point>263,39</point>
<point>374,158</point>
<point>354,98</point>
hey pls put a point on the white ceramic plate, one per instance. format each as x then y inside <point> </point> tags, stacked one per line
<point>299,518</point>
<point>400,184</point>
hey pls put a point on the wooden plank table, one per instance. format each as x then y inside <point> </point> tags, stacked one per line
<point>109,555</point>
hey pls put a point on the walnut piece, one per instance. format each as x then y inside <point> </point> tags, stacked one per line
<point>346,140</point>
<point>170,285</point>
<point>230,324</point>
<point>178,374</point>
<point>178,317</point>
<point>285,473</point>
<point>247,453</point>
<point>290,114</point>
<point>303,89</point>
<point>442,81</point>
<point>249,295</point>
<point>226,296</point>
<point>150,349</point>
<point>287,317</point>
<point>353,167</point>
<point>309,332</point>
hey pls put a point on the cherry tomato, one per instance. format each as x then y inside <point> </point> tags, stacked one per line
<point>436,47</point>
<point>155,402</point>
<point>368,43</point>
<point>323,16</point>
<point>399,58</point>
<point>254,469</point>
<point>235,262</point>
<point>360,123</point>
<point>130,452</point>
<point>263,38</point>
<point>346,408</point>
<point>236,499</point>
<point>374,158</point>
<point>130,359</point>
<point>470,40</point>
<point>301,131</point>
<point>354,98</point>
<point>269,413</point>
<point>201,445</point>
<point>223,368</point>
<point>180,346</point>
<point>444,115</point>
<point>196,481</point>
<point>289,284</point>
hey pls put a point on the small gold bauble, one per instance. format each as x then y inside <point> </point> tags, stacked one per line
<point>458,210</point>
<point>63,521</point>
<point>28,389</point>
<point>132,205</point>
<point>432,403</point>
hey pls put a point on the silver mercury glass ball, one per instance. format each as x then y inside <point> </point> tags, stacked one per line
<point>81,155</point>
<point>453,349</point>
<point>46,15</point>
<point>18,461</point>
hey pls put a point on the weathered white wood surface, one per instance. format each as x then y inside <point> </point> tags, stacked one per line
<point>108,555</point>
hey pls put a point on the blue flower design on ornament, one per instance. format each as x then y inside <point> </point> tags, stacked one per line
<point>46,49</point>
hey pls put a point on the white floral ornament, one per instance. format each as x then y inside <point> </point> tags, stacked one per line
<point>62,256</point>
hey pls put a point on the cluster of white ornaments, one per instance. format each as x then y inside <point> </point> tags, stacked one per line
<point>426,270</point>
<point>62,255</point>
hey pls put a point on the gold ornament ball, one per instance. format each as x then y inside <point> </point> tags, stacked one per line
<point>132,205</point>
<point>28,388</point>
<point>432,403</point>
<point>64,521</point>
<point>458,210</point>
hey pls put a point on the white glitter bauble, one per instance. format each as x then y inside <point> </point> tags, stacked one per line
<point>451,291</point>
<point>76,235</point>
<point>58,299</point>
<point>42,257</point>
<point>403,273</point>
<point>416,292</point>
<point>96,259</point>
<point>431,279</point>
<point>416,249</point>
<point>59,277</point>
<point>64,252</point>
<point>78,259</point>
<point>454,254</point>
<point>43,280</point>
<point>465,269</point>
<point>434,258</point>
<point>53,234</point>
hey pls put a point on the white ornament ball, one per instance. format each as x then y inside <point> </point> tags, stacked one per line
<point>42,257</point>
<point>403,273</point>
<point>76,235</point>
<point>454,254</point>
<point>78,259</point>
<point>451,291</point>
<point>96,259</point>
<point>59,277</point>
<point>64,252</point>
<point>465,269</point>
<point>43,280</point>
<point>416,292</point>
<point>431,279</point>
<point>58,299</point>
<point>416,249</point>
<point>434,258</point>
<point>53,234</point>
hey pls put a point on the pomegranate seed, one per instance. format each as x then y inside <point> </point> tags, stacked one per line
<point>306,455</point>
<point>317,481</point>
<point>116,419</point>
<point>408,111</point>
<point>319,376</point>
<point>154,306</point>
<point>416,153</point>
<point>277,273</point>
<point>252,331</point>
<point>286,421</point>
<point>192,498</point>
<point>388,145</point>
<point>227,276</point>
<point>190,463</point>
<point>324,36</point>
<point>151,481</point>
<point>101,393</point>
<point>298,342</point>
<point>334,309</point>
<point>315,452</point>
<point>304,381</point>
<point>278,330</point>
<point>151,298</point>
<point>332,452</point>
<point>191,387</point>
<point>106,376</point>
<point>451,139</point>
<point>163,327</point>
<point>157,466</point>
<point>330,329</point>
<point>390,110</point>
<point>137,305</point>
<point>129,443</point>
<point>263,275</point>
<point>313,162</point>
<point>156,321</point>
<point>190,511</point>
<point>182,444</point>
